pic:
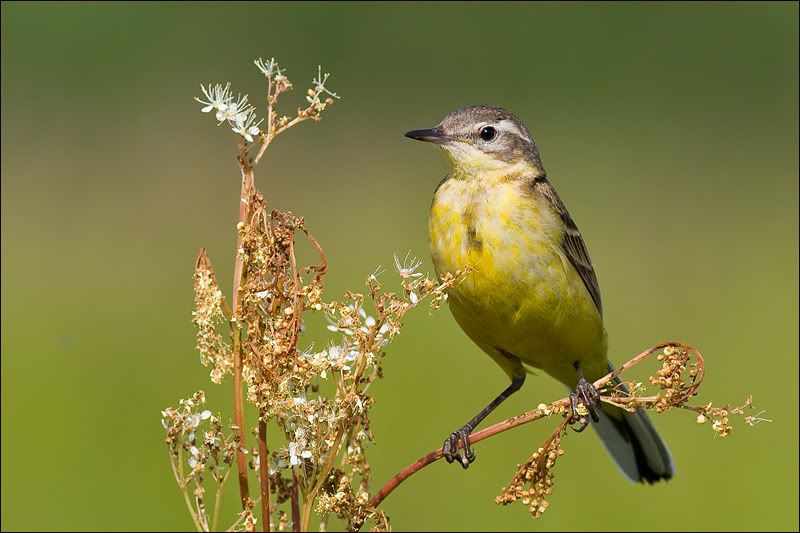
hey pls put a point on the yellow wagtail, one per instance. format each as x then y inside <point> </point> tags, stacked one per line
<point>533,298</point>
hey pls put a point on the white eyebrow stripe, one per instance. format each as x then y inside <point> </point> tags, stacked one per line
<point>510,126</point>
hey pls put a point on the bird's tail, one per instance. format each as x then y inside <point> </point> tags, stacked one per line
<point>634,445</point>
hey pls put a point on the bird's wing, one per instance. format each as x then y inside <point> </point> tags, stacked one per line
<point>572,242</point>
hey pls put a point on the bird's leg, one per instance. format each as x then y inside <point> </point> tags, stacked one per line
<point>588,395</point>
<point>450,446</point>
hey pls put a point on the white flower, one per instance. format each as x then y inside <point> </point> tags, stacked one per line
<point>380,337</point>
<point>378,272</point>
<point>234,109</point>
<point>217,97</point>
<point>268,68</point>
<point>294,460</point>
<point>413,297</point>
<point>319,83</point>
<point>294,456</point>
<point>246,126</point>
<point>334,352</point>
<point>407,269</point>
<point>333,327</point>
<point>280,465</point>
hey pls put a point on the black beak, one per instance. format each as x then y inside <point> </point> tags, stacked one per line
<point>432,135</point>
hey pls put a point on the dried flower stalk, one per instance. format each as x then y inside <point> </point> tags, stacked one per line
<point>317,398</point>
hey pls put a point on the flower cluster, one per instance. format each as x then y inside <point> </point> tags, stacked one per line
<point>676,387</point>
<point>236,111</point>
<point>196,440</point>
<point>273,72</point>
<point>241,116</point>
<point>351,506</point>
<point>316,105</point>
<point>208,314</point>
<point>719,416</point>
<point>533,482</point>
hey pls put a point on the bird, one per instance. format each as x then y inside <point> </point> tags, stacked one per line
<point>532,300</point>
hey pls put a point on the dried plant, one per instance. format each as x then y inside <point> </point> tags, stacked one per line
<point>318,398</point>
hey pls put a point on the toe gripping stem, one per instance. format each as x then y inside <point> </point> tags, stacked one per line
<point>450,447</point>
<point>588,395</point>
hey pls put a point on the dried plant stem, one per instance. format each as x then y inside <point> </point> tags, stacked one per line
<point>177,470</point>
<point>324,471</point>
<point>218,500</point>
<point>296,504</point>
<point>238,408</point>
<point>536,414</point>
<point>200,502</point>
<point>263,469</point>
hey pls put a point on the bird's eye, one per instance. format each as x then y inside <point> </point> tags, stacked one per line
<point>488,133</point>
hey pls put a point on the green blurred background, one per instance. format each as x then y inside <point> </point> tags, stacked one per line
<point>670,131</point>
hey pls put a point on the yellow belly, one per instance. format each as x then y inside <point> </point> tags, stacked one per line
<point>524,297</point>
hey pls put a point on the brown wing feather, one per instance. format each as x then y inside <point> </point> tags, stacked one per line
<point>572,243</point>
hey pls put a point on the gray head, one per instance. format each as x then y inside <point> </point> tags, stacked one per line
<point>483,138</point>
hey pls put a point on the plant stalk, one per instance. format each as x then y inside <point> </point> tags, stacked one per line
<point>238,408</point>
<point>263,464</point>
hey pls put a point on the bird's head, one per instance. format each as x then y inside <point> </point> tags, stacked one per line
<point>479,139</point>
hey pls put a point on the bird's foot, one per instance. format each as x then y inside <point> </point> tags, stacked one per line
<point>450,447</point>
<point>590,398</point>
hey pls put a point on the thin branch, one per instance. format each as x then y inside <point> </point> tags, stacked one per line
<point>536,414</point>
<point>200,501</point>
<point>296,504</point>
<point>218,500</point>
<point>182,485</point>
<point>263,469</point>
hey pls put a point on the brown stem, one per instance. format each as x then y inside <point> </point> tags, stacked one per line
<point>532,415</point>
<point>238,408</point>
<point>263,464</point>
<point>295,503</point>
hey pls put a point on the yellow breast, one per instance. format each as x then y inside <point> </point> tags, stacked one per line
<point>524,297</point>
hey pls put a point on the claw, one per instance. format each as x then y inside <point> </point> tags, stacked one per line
<point>450,447</point>
<point>590,398</point>
<point>576,417</point>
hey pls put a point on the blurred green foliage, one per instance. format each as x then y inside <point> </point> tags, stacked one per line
<point>670,131</point>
